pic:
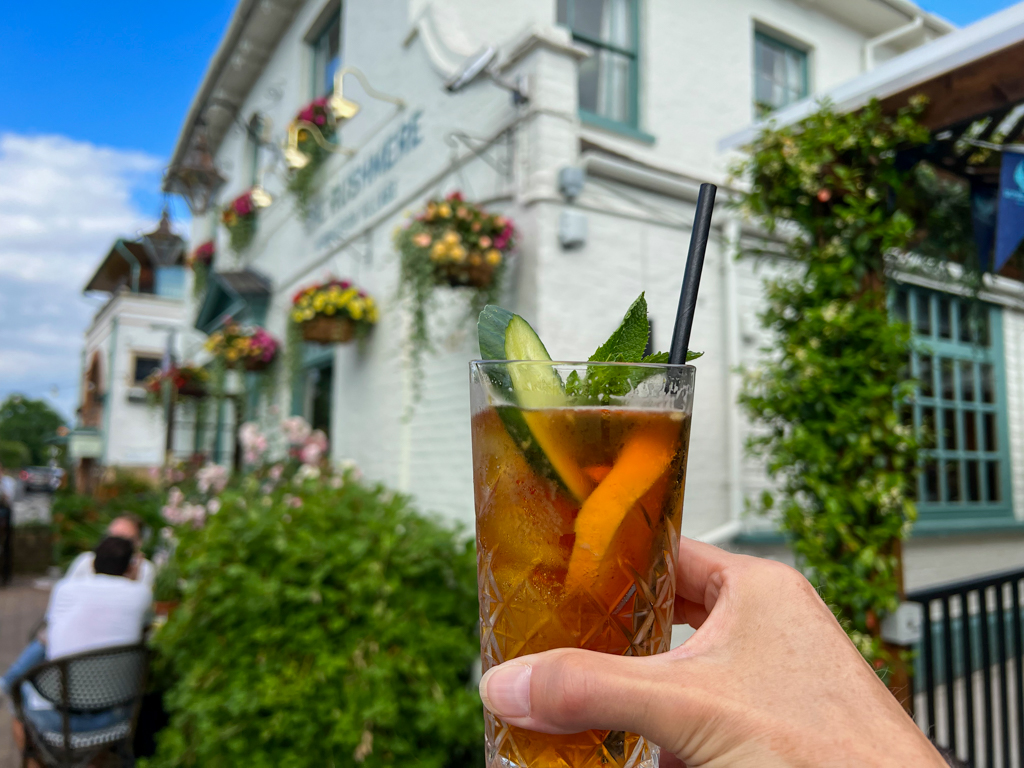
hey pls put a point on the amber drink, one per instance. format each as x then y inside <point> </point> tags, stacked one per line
<point>578,506</point>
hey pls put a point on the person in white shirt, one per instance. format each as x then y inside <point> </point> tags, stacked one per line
<point>87,613</point>
<point>126,527</point>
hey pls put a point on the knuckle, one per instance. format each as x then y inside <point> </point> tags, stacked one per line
<point>571,684</point>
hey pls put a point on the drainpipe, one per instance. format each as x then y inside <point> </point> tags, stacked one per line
<point>132,262</point>
<point>108,398</point>
<point>888,37</point>
<point>731,333</point>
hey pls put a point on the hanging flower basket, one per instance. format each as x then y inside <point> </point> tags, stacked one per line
<point>250,348</point>
<point>200,261</point>
<point>239,218</point>
<point>187,380</point>
<point>333,312</point>
<point>311,152</point>
<point>451,243</point>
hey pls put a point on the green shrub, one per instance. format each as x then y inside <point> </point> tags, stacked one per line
<point>14,454</point>
<point>337,632</point>
<point>79,521</point>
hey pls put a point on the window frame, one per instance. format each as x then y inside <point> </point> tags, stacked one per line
<point>331,12</point>
<point>787,44</point>
<point>949,515</point>
<point>138,354</point>
<point>629,127</point>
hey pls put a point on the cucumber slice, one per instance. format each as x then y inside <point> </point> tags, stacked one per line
<point>505,336</point>
<point>535,386</point>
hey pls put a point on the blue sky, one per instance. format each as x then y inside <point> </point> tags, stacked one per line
<point>92,97</point>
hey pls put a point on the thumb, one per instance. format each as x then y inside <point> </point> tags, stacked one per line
<point>571,690</point>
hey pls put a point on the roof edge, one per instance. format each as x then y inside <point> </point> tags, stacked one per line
<point>218,62</point>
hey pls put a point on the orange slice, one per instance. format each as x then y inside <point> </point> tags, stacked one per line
<point>648,452</point>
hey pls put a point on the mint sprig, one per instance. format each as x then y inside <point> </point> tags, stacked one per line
<point>626,345</point>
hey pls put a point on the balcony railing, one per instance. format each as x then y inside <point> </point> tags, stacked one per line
<point>969,687</point>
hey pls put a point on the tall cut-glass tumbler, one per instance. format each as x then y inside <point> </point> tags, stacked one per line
<point>579,492</point>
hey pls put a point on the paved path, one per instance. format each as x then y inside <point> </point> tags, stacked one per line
<point>21,607</point>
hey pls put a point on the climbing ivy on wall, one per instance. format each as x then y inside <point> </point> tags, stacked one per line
<point>828,398</point>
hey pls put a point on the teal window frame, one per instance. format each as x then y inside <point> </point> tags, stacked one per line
<point>629,127</point>
<point>960,341</point>
<point>314,357</point>
<point>766,38</point>
<point>316,42</point>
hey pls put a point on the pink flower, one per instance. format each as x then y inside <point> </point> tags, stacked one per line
<point>275,472</point>
<point>319,120</point>
<point>292,501</point>
<point>213,506</point>
<point>212,477</point>
<point>311,453</point>
<point>296,430</point>
<point>175,497</point>
<point>243,204</point>
<point>319,438</point>
<point>306,114</point>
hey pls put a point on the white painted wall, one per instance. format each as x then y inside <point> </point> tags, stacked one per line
<point>134,433</point>
<point>696,87</point>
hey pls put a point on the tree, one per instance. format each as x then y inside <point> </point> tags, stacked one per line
<point>30,422</point>
<point>828,396</point>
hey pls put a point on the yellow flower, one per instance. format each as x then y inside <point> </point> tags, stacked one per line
<point>444,210</point>
<point>355,310</point>
<point>458,254</point>
<point>372,315</point>
<point>438,251</point>
<point>431,211</point>
<point>347,296</point>
<point>451,237</point>
<point>330,309</point>
<point>319,302</point>
<point>232,355</point>
<point>493,257</point>
<point>474,259</point>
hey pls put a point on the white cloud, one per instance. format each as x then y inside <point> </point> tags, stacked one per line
<point>62,204</point>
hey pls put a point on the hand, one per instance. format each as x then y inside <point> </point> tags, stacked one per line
<point>768,679</point>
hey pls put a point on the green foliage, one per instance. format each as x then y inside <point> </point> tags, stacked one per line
<point>324,623</point>
<point>828,398</point>
<point>300,180</point>
<point>14,454</point>
<point>79,522</point>
<point>30,422</point>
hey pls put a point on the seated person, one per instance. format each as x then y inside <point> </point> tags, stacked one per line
<point>87,613</point>
<point>125,527</point>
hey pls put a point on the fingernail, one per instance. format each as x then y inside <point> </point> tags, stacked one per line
<point>505,689</point>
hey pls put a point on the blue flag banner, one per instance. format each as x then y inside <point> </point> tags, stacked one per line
<point>983,216</point>
<point>1010,221</point>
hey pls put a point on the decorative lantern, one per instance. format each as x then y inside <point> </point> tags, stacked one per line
<point>196,179</point>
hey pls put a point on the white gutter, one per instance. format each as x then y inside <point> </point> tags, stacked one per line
<point>733,230</point>
<point>903,72</point>
<point>888,37</point>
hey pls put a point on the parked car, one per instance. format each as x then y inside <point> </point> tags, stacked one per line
<point>41,478</point>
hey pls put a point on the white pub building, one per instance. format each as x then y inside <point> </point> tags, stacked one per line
<point>589,124</point>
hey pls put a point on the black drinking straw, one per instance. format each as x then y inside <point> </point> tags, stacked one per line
<point>691,277</point>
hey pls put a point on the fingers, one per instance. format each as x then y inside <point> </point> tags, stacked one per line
<point>697,565</point>
<point>570,690</point>
<point>687,612</point>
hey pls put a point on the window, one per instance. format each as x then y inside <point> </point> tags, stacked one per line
<point>608,77</point>
<point>169,282</point>
<point>326,45</point>
<point>780,74</point>
<point>959,412</point>
<point>143,365</point>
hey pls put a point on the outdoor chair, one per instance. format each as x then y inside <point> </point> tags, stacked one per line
<point>86,683</point>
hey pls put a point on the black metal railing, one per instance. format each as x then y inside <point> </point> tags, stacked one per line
<point>968,682</point>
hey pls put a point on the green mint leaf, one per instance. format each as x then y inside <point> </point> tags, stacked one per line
<point>628,342</point>
<point>691,355</point>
